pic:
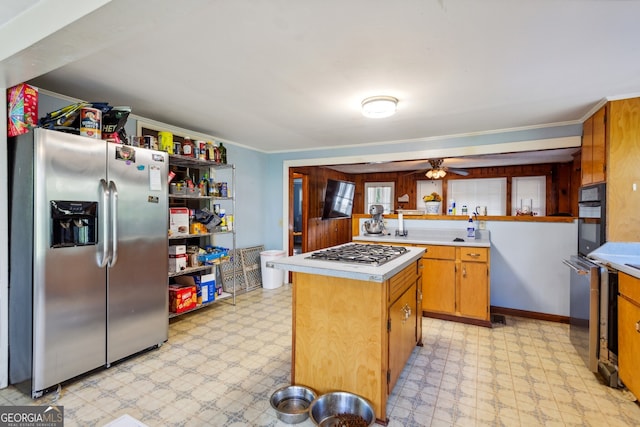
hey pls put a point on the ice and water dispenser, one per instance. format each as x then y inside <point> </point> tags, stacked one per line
<point>73,223</point>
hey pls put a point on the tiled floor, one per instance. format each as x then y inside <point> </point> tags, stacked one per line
<point>221,365</point>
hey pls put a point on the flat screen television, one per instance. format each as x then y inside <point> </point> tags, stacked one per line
<point>338,199</point>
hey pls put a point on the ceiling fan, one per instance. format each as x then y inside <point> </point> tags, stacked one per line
<point>439,171</point>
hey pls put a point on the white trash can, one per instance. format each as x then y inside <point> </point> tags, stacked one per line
<point>272,278</point>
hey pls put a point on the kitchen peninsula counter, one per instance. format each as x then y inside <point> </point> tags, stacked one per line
<point>621,256</point>
<point>429,237</point>
<point>516,282</point>
<point>354,326</point>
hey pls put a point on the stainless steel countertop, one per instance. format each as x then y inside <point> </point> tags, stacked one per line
<point>301,264</point>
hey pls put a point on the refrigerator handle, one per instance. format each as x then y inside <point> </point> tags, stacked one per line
<point>104,255</point>
<point>113,194</point>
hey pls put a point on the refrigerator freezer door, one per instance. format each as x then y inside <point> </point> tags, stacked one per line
<point>137,302</point>
<point>69,286</point>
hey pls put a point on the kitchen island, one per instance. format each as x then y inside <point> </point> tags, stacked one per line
<point>354,325</point>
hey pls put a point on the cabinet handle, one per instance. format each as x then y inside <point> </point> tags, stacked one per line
<point>407,312</point>
<point>420,295</point>
<point>638,326</point>
<point>473,255</point>
<point>464,271</point>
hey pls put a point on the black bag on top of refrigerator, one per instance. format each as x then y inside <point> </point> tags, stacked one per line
<point>113,123</point>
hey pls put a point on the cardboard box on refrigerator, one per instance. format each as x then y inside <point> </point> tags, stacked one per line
<point>22,103</point>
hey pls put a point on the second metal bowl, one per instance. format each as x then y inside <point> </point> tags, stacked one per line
<point>291,403</point>
<point>329,409</point>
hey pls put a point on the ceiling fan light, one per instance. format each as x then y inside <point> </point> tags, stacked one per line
<point>435,173</point>
<point>378,107</point>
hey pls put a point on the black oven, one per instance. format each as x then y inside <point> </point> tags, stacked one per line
<point>592,209</point>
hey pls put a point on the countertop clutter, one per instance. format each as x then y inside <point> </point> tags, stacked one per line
<point>430,237</point>
<point>621,256</point>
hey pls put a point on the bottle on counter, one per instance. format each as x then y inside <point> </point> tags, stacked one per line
<point>471,229</point>
<point>465,211</point>
<point>452,208</point>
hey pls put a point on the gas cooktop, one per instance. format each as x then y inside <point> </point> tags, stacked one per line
<point>375,255</point>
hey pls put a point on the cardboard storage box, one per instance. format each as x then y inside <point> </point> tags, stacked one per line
<point>182,298</point>
<point>22,102</point>
<point>178,221</point>
<point>177,249</point>
<point>205,286</point>
<point>177,263</point>
<point>208,284</point>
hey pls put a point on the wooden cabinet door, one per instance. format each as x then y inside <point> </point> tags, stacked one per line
<point>594,155</point>
<point>439,285</point>
<point>586,167</point>
<point>402,332</point>
<point>473,295</point>
<point>629,344</point>
<point>623,175</point>
<point>418,337</point>
<point>598,147</point>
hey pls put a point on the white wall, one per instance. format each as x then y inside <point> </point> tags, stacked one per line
<point>527,272</point>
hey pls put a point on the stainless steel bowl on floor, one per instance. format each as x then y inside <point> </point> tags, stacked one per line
<point>341,408</point>
<point>292,403</point>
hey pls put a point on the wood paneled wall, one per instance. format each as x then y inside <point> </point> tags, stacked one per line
<point>322,233</point>
<point>563,181</point>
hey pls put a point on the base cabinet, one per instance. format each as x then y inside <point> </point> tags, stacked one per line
<point>355,335</point>
<point>629,332</point>
<point>402,333</point>
<point>438,280</point>
<point>455,283</point>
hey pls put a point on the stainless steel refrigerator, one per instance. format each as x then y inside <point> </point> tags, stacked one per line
<point>88,255</point>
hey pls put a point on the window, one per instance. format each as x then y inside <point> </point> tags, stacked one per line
<point>427,187</point>
<point>489,192</point>
<point>528,194</point>
<point>379,193</point>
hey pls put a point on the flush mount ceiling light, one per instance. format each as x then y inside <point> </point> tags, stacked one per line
<point>378,107</point>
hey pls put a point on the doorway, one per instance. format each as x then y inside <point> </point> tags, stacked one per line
<point>298,213</point>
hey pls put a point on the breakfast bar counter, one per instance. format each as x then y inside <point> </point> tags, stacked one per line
<point>429,237</point>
